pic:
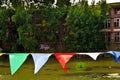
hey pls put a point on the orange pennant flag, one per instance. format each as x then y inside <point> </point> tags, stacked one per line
<point>63,58</point>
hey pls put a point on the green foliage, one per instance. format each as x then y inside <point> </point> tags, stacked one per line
<point>25,30</point>
<point>81,24</point>
<point>80,66</point>
<point>63,3</point>
<point>4,28</point>
<point>3,17</point>
<point>21,17</point>
<point>84,30</point>
<point>50,23</point>
<point>55,14</point>
<point>26,38</point>
<point>16,3</point>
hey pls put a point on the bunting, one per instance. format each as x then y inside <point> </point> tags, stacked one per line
<point>109,52</point>
<point>40,60</point>
<point>1,54</point>
<point>116,55</point>
<point>16,60</point>
<point>63,58</point>
<point>92,55</point>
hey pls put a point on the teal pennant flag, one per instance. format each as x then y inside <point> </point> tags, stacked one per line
<point>16,60</point>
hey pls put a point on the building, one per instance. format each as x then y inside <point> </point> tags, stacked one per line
<point>112,28</point>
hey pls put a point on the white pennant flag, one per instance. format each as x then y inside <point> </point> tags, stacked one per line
<point>40,60</point>
<point>92,55</point>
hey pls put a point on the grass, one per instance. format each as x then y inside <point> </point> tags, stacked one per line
<point>52,70</point>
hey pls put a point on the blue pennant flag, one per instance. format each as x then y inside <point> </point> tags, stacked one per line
<point>40,60</point>
<point>116,55</point>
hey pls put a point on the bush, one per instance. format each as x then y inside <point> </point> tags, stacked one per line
<point>80,66</point>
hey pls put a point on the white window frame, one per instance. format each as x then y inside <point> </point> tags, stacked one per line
<point>107,36</point>
<point>117,22</point>
<point>117,36</point>
<point>117,10</point>
<point>108,23</point>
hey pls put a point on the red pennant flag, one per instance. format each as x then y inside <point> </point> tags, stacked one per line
<point>63,58</point>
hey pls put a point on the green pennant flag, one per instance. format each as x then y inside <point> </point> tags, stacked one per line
<point>16,60</point>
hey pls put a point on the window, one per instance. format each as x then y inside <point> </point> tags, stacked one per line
<point>107,23</point>
<point>107,36</point>
<point>117,22</point>
<point>117,36</point>
<point>117,10</point>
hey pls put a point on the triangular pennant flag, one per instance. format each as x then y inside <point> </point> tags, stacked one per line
<point>1,54</point>
<point>109,52</point>
<point>40,60</point>
<point>115,54</point>
<point>63,58</point>
<point>16,60</point>
<point>92,55</point>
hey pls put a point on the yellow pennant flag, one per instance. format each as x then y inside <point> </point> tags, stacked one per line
<point>1,54</point>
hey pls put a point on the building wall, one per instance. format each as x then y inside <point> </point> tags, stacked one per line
<point>112,28</point>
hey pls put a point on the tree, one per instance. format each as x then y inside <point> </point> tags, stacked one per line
<point>26,24</point>
<point>84,28</point>
<point>25,30</point>
<point>6,35</point>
